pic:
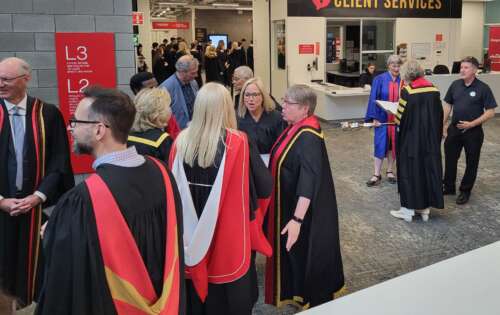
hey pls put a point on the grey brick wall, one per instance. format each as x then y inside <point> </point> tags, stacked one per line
<point>27,29</point>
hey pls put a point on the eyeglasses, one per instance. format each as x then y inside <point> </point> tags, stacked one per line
<point>288,102</point>
<point>72,122</point>
<point>9,80</point>
<point>252,94</point>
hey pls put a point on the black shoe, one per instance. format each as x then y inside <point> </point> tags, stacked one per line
<point>463,197</point>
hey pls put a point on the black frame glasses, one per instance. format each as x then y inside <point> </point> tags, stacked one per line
<point>72,122</point>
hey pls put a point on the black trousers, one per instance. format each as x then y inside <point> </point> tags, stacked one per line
<point>470,140</point>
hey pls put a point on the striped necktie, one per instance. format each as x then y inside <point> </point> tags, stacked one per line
<point>18,128</point>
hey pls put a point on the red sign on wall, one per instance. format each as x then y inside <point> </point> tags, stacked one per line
<point>439,37</point>
<point>137,18</point>
<point>170,25</point>
<point>306,49</point>
<point>494,48</point>
<point>83,59</point>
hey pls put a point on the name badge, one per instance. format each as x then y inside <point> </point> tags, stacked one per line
<point>472,94</point>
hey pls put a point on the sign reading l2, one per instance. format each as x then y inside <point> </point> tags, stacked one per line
<point>376,8</point>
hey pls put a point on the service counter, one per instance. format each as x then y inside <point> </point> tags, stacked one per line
<point>464,285</point>
<point>336,102</point>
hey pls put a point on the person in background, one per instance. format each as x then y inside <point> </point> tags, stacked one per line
<point>257,116</point>
<point>220,178</point>
<point>473,104</point>
<point>182,88</point>
<point>35,171</point>
<point>141,60</point>
<point>250,55</point>
<point>152,115</point>
<point>144,80</point>
<point>306,266</point>
<point>243,47</point>
<point>240,76</point>
<point>159,65</point>
<point>182,50</point>
<point>114,242</point>
<point>222,55</point>
<point>214,70</point>
<point>154,49</point>
<point>418,149</point>
<point>385,87</point>
<point>367,77</point>
<point>234,58</point>
<point>169,57</point>
<point>196,54</point>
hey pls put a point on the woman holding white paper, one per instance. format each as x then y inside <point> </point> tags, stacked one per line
<point>386,87</point>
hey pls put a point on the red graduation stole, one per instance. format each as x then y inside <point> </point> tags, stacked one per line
<point>38,127</point>
<point>126,275</point>
<point>278,154</point>
<point>228,257</point>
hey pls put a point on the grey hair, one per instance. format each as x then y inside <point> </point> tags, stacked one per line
<point>185,63</point>
<point>394,59</point>
<point>411,71</point>
<point>24,66</point>
<point>244,72</point>
<point>303,95</point>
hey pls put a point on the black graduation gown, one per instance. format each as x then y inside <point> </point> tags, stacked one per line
<point>196,54</point>
<point>312,272</point>
<point>223,58</point>
<point>365,78</point>
<point>234,60</point>
<point>264,132</point>
<point>14,231</point>
<point>418,148</point>
<point>170,59</point>
<point>250,57</point>
<point>75,281</point>
<point>238,297</point>
<point>160,71</point>
<point>153,145</point>
<point>214,71</point>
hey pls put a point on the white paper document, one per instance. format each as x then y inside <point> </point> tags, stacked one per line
<point>391,107</point>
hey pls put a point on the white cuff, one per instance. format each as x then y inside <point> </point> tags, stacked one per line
<point>1,197</point>
<point>41,195</point>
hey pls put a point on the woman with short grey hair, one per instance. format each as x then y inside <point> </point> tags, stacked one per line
<point>385,87</point>
<point>420,120</point>
<point>306,267</point>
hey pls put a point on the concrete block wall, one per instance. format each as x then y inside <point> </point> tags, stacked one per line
<point>27,29</point>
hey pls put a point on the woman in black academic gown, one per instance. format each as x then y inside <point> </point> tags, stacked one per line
<point>367,77</point>
<point>152,116</point>
<point>216,168</point>
<point>234,59</point>
<point>306,266</point>
<point>214,70</point>
<point>257,116</point>
<point>196,54</point>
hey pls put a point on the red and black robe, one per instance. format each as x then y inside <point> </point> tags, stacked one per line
<point>46,168</point>
<point>114,246</point>
<point>312,272</point>
<point>223,224</point>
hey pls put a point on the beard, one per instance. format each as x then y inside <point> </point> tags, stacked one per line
<point>81,148</point>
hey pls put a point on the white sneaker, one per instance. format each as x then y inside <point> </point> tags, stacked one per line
<point>425,214</point>
<point>404,214</point>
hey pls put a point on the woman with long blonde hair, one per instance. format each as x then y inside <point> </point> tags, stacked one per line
<point>219,176</point>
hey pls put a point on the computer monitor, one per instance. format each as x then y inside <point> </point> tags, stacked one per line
<point>215,38</point>
<point>456,67</point>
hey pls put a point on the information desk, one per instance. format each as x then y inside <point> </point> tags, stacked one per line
<point>464,285</point>
<point>336,102</point>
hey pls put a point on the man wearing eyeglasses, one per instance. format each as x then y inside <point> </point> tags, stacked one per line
<point>35,170</point>
<point>113,243</point>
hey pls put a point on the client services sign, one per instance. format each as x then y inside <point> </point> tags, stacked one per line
<point>376,8</point>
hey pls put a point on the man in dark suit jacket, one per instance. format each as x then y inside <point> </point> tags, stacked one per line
<point>35,170</point>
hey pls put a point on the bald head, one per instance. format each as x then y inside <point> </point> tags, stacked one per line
<point>15,74</point>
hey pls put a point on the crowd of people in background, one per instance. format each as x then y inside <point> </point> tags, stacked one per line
<point>215,59</point>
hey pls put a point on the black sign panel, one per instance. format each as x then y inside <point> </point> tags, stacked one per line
<point>377,8</point>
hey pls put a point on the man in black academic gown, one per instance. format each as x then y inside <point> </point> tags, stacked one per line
<point>35,170</point>
<point>418,149</point>
<point>113,243</point>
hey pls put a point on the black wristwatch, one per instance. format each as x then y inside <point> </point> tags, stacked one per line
<point>298,220</point>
